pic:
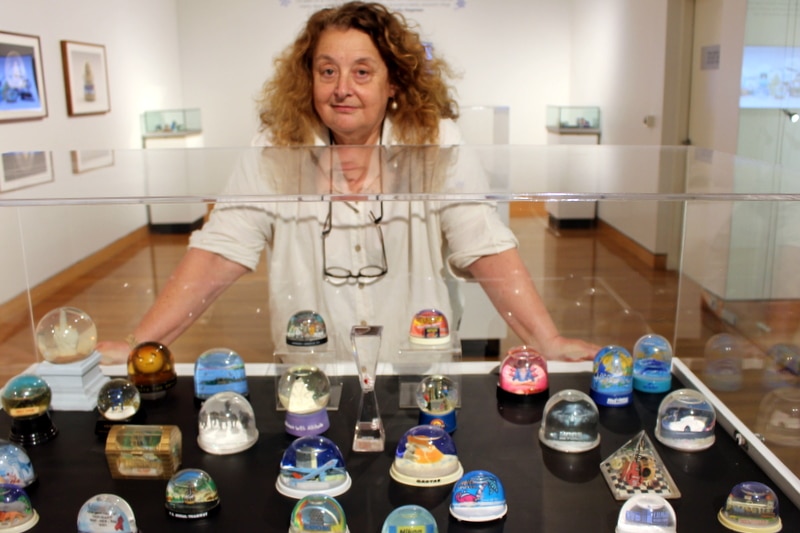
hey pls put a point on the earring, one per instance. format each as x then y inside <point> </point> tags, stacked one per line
<point>393,105</point>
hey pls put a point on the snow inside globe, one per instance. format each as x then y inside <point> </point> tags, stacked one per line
<point>646,513</point>
<point>523,372</point>
<point>778,418</point>
<point>66,335</point>
<point>571,422</point>
<point>306,328</point>
<point>118,399</point>
<point>16,511</point>
<point>426,456</point>
<point>410,518</point>
<point>219,370</point>
<point>317,512</point>
<point>437,398</point>
<point>686,421</point>
<point>15,466</point>
<point>191,494</point>
<point>478,496</point>
<point>106,513</point>
<point>612,383</point>
<point>304,391</point>
<point>26,398</point>
<point>652,364</point>
<point>226,424</point>
<point>312,464</point>
<point>723,354</point>
<point>429,327</point>
<point>751,507</point>
<point>151,368</point>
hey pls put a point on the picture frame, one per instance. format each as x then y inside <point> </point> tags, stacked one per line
<point>85,78</point>
<point>86,160</point>
<point>22,92</point>
<point>24,169</point>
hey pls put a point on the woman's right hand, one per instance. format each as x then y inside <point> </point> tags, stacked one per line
<point>113,352</point>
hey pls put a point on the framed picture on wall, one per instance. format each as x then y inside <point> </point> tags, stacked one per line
<point>86,160</point>
<point>22,95</point>
<point>85,78</point>
<point>24,169</point>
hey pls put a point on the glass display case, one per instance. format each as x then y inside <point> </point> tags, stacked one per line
<point>166,122</point>
<point>569,119</point>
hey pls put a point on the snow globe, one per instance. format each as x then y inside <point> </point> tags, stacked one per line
<point>723,354</point>
<point>778,419</point>
<point>523,373</point>
<point>106,513</point>
<point>66,335</point>
<point>612,383</point>
<point>478,496</point>
<point>782,365</point>
<point>646,513</point>
<point>15,466</point>
<point>571,422</point>
<point>306,328</point>
<point>118,400</point>
<point>26,398</point>
<point>304,391</point>
<point>429,327</point>
<point>410,518</point>
<point>426,456</point>
<point>437,398</point>
<point>652,364</point>
<point>152,369</point>
<point>318,512</point>
<point>191,494</point>
<point>751,507</point>
<point>312,465</point>
<point>16,511</point>
<point>219,370</point>
<point>226,424</point>
<point>686,421</point>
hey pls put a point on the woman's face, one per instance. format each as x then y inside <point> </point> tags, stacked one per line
<point>351,86</point>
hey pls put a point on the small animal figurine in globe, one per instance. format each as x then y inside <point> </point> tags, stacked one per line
<point>410,518</point>
<point>15,466</point>
<point>304,391</point>
<point>429,327</point>
<point>686,421</point>
<point>26,399</point>
<point>118,402</point>
<point>612,383</point>
<point>226,424</point>
<point>312,465</point>
<point>751,507</point>
<point>219,370</point>
<point>478,496</point>
<point>437,398</point>
<point>724,360</point>
<point>426,456</point>
<point>66,335</point>
<point>191,494</point>
<point>318,512</point>
<point>646,513</point>
<point>106,513</point>
<point>523,373</point>
<point>16,511</point>
<point>571,422</point>
<point>652,364</point>
<point>151,368</point>
<point>778,418</point>
<point>306,328</point>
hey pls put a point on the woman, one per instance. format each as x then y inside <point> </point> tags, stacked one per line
<point>355,82</point>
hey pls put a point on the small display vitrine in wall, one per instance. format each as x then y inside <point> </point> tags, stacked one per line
<point>573,119</point>
<point>171,122</point>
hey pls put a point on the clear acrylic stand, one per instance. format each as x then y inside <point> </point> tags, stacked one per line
<point>369,434</point>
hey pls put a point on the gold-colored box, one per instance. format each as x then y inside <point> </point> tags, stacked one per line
<point>143,452</point>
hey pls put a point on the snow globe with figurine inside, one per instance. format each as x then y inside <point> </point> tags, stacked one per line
<point>304,391</point>
<point>571,422</point>
<point>426,456</point>
<point>106,513</point>
<point>686,421</point>
<point>226,424</point>
<point>318,512</point>
<point>312,465</point>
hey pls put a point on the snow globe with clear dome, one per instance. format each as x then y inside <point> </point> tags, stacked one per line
<point>304,391</point>
<point>306,328</point>
<point>16,511</point>
<point>778,418</point>
<point>151,368</point>
<point>312,465</point>
<point>570,423</point>
<point>106,513</point>
<point>226,424</point>
<point>118,402</point>
<point>318,512</point>
<point>219,370</point>
<point>437,398</point>
<point>723,362</point>
<point>646,513</point>
<point>15,466</point>
<point>429,327</point>
<point>426,456</point>
<point>191,494</point>
<point>652,364</point>
<point>410,518</point>
<point>686,421</point>
<point>751,507</point>
<point>478,496</point>
<point>612,382</point>
<point>26,399</point>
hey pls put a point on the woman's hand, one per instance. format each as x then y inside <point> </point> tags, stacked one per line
<point>571,350</point>
<point>113,352</point>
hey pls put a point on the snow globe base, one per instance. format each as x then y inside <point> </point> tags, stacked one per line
<point>297,493</point>
<point>446,421</point>
<point>74,385</point>
<point>303,425</point>
<point>446,479</point>
<point>611,400</point>
<point>33,431</point>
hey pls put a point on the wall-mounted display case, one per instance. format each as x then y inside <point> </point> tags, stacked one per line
<point>175,122</point>
<point>573,119</point>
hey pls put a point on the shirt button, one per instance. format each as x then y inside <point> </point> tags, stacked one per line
<point>358,247</point>
<point>363,322</point>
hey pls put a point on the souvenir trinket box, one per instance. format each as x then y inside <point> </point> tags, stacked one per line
<point>106,513</point>
<point>143,452</point>
<point>191,494</point>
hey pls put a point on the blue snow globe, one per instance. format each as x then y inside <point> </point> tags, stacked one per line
<point>15,466</point>
<point>312,465</point>
<point>426,456</point>
<point>410,518</point>
<point>191,494</point>
<point>106,513</point>
<point>686,421</point>
<point>751,507</point>
<point>219,370</point>
<point>571,422</point>
<point>478,496</point>
<point>612,383</point>
<point>318,512</point>
<point>652,364</point>
<point>646,513</point>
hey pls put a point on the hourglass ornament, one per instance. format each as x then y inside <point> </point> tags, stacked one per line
<point>369,434</point>
<point>304,391</point>
<point>437,397</point>
<point>106,513</point>
<point>26,398</point>
<point>152,369</point>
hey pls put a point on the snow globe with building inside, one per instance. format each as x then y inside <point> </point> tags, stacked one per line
<point>191,494</point>
<point>312,465</point>
<point>226,424</point>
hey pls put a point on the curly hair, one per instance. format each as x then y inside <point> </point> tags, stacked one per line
<point>423,95</point>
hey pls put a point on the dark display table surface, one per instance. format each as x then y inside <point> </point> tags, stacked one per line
<point>547,491</point>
